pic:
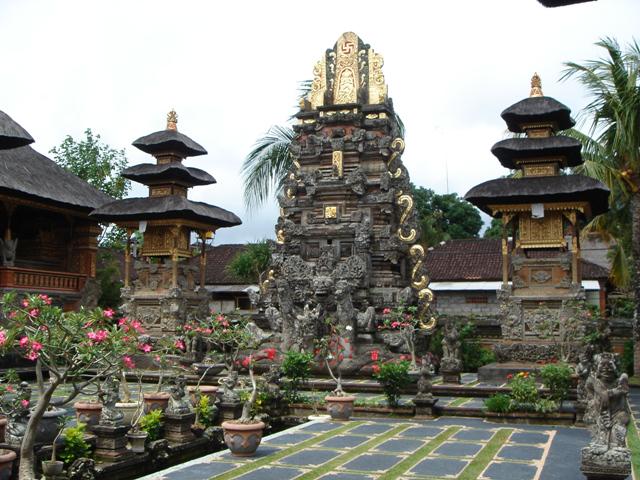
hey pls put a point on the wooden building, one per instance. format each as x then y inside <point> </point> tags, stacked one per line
<point>48,243</point>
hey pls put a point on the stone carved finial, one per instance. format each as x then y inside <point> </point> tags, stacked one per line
<point>536,86</point>
<point>172,120</point>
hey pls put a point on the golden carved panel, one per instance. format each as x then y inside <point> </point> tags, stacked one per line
<point>330,212</point>
<point>336,161</point>
<point>318,85</point>
<point>539,170</point>
<point>545,232</point>
<point>165,241</point>
<point>347,79</point>
<point>159,191</point>
<point>377,86</point>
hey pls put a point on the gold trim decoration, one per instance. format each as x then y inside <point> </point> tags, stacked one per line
<point>407,200</point>
<point>280,237</point>
<point>536,86</point>
<point>172,120</point>
<point>319,84</point>
<point>417,254</point>
<point>336,161</point>
<point>526,207</point>
<point>377,86</point>
<point>270,277</point>
<point>331,212</point>
<point>347,78</point>
<point>543,232</point>
<point>419,283</point>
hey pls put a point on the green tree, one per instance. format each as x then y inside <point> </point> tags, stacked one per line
<point>494,230</point>
<point>251,264</point>
<point>445,217</point>
<point>100,166</point>
<point>613,83</point>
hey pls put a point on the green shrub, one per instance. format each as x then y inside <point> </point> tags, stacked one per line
<point>626,361</point>
<point>499,403</point>
<point>394,377</point>
<point>473,355</point>
<point>152,424</point>
<point>206,412</point>
<point>545,405</point>
<point>524,391</point>
<point>75,445</point>
<point>296,366</point>
<point>557,378</point>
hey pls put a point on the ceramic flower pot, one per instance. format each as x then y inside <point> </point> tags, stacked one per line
<point>6,463</point>
<point>137,441</point>
<point>212,369</point>
<point>340,408</point>
<point>155,401</point>
<point>129,410</point>
<point>52,467</point>
<point>88,413</point>
<point>210,391</point>
<point>242,439</point>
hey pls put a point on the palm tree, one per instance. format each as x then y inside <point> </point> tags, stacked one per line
<point>614,85</point>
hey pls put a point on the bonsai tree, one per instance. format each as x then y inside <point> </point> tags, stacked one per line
<point>403,319</point>
<point>332,350</point>
<point>249,362</point>
<point>77,348</point>
<point>226,334</point>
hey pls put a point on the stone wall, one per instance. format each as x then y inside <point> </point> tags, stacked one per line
<point>466,303</point>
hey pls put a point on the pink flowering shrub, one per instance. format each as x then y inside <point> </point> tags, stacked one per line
<point>403,319</point>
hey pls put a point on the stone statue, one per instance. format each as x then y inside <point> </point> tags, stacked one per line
<point>366,320</point>
<point>424,382</point>
<point>228,383</point>
<point>607,455</point>
<point>583,369</point>
<point>272,314</point>
<point>178,402</point>
<point>82,469</point>
<point>19,415</point>
<point>451,359</point>
<point>109,394</point>
<point>305,328</point>
<point>8,250</point>
<point>345,312</point>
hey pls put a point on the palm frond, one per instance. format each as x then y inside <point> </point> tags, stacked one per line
<point>266,166</point>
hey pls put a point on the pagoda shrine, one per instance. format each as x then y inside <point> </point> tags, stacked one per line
<point>166,291</point>
<point>347,235</point>
<point>542,210</point>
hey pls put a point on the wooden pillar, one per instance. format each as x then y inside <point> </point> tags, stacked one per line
<point>203,258</point>
<point>127,258</point>
<point>505,250</point>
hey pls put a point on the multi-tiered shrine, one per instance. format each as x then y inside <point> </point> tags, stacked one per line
<point>542,209</point>
<point>166,289</point>
<point>347,237</point>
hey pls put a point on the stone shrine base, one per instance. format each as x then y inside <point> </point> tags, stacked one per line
<point>496,373</point>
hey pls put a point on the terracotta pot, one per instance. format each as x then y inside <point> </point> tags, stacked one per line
<point>242,439</point>
<point>137,441</point>
<point>88,413</point>
<point>6,463</point>
<point>155,401</point>
<point>340,408</point>
<point>129,410</point>
<point>210,391</point>
<point>52,467</point>
<point>3,428</point>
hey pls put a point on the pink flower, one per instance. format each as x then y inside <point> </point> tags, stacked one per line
<point>45,298</point>
<point>34,312</point>
<point>128,362</point>
<point>386,311</point>
<point>36,346</point>
<point>375,355</point>
<point>3,337</point>
<point>33,356</point>
<point>376,368</point>
<point>13,314</point>
<point>122,321</point>
<point>137,326</point>
<point>145,347</point>
<point>24,341</point>
<point>180,345</point>
<point>108,313</point>
<point>98,336</point>
<point>25,303</point>
<point>246,361</point>
<point>24,403</point>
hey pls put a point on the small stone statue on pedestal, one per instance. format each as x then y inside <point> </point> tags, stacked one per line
<point>228,383</point>
<point>109,395</point>
<point>178,415</point>
<point>451,363</point>
<point>424,400</point>
<point>178,403</point>
<point>607,455</point>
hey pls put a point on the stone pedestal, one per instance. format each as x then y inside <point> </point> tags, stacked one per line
<point>111,443</point>
<point>425,405</point>
<point>230,410</point>
<point>450,377</point>
<point>600,463</point>
<point>177,427</point>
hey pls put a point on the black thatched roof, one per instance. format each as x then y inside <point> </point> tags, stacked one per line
<point>147,173</point>
<point>561,188</point>
<point>537,109</point>
<point>561,3</point>
<point>25,172</point>
<point>12,135</point>
<point>171,206</point>
<point>169,141</point>
<point>513,149</point>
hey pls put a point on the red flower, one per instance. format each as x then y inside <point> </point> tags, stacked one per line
<point>271,353</point>
<point>246,361</point>
<point>376,368</point>
<point>375,355</point>
<point>510,376</point>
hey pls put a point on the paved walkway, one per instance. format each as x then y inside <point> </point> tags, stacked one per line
<point>383,449</point>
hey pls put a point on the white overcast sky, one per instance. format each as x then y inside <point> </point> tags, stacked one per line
<point>231,69</point>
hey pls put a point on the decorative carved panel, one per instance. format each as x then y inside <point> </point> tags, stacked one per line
<point>545,232</point>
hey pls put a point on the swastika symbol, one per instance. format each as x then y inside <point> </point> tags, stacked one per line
<point>348,47</point>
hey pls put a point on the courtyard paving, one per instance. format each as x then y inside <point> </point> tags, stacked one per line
<point>381,449</point>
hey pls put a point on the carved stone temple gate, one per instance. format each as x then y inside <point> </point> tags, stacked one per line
<point>347,235</point>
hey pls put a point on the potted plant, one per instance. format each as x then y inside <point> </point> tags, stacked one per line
<point>243,436</point>
<point>332,350</point>
<point>76,348</point>
<point>54,466</point>
<point>136,435</point>
<point>6,463</point>
<point>151,423</point>
<point>127,406</point>
<point>163,358</point>
<point>75,445</point>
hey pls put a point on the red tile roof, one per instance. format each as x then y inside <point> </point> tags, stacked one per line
<point>480,259</point>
